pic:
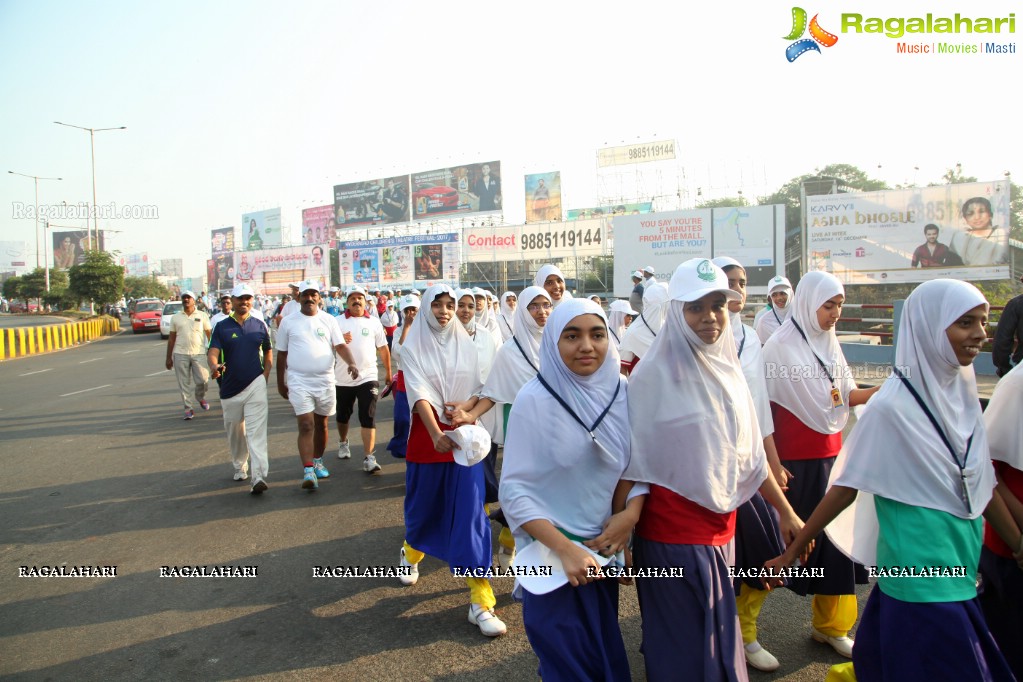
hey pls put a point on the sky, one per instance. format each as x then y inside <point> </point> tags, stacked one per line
<point>232,107</point>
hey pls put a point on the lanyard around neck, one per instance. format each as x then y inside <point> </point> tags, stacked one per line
<point>642,317</point>
<point>589,429</point>
<point>519,346</point>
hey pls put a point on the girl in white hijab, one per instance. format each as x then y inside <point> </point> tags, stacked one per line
<point>919,459</point>
<point>644,329</point>
<point>811,390</point>
<point>701,451</point>
<point>444,514</point>
<point>552,280</point>
<point>402,411</point>
<point>484,315</point>
<point>619,319</point>
<point>767,321</point>
<point>562,487</point>
<point>506,318</point>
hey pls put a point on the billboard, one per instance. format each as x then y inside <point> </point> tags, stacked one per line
<point>221,240</point>
<point>373,202</point>
<point>69,247</point>
<point>601,211</point>
<point>135,264</point>
<point>753,235</point>
<point>318,225</point>
<point>269,271</point>
<point>911,235</point>
<point>261,229</point>
<point>13,256</point>
<point>540,241</point>
<point>400,262</point>
<point>220,271</point>
<point>636,153</point>
<point>471,188</point>
<point>172,267</point>
<point>543,197</point>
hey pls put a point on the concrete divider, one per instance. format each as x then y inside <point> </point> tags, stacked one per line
<point>16,342</point>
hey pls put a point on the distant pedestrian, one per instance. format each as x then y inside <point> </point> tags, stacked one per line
<point>186,345</point>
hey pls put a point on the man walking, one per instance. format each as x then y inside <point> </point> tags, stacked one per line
<point>365,338</point>
<point>186,345</point>
<point>306,342</point>
<point>241,355</point>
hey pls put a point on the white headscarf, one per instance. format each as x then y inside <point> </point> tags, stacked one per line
<point>619,311</point>
<point>541,276</point>
<point>641,333</point>
<point>1003,422</point>
<point>517,363</point>
<point>459,295</point>
<point>771,318</point>
<point>507,317</point>
<point>440,364</point>
<point>544,438</point>
<point>808,395</point>
<point>700,437</point>
<point>894,451</point>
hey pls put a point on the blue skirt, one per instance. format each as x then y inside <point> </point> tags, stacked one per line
<point>490,475</point>
<point>1001,598</point>
<point>899,641</point>
<point>444,514</point>
<point>574,632</point>
<point>690,624</point>
<point>757,538</point>
<point>806,490</point>
<point>402,419</point>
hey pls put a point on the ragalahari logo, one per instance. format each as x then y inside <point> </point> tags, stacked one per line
<point>817,35</point>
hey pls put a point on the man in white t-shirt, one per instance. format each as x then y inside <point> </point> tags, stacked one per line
<point>225,310</point>
<point>293,305</point>
<point>306,342</point>
<point>186,351</point>
<point>365,337</point>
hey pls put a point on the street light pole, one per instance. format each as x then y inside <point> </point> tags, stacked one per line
<point>36,180</point>
<point>92,151</point>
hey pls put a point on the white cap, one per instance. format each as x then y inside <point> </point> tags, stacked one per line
<point>542,570</point>
<point>189,293</point>
<point>698,277</point>
<point>409,301</point>
<point>638,274</point>
<point>295,285</point>
<point>649,270</point>
<point>622,306</point>
<point>334,290</point>
<point>242,290</point>
<point>726,262</point>
<point>356,290</point>
<point>778,283</point>
<point>307,285</point>
<point>473,444</point>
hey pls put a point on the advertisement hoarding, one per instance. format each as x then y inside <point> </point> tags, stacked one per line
<point>261,229</point>
<point>539,241</point>
<point>69,247</point>
<point>135,264</point>
<point>318,225</point>
<point>543,197</point>
<point>14,256</point>
<point>601,211</point>
<point>269,271</point>
<point>911,235</point>
<point>470,188</point>
<point>636,153</point>
<point>221,240</point>
<point>400,262</point>
<point>373,202</point>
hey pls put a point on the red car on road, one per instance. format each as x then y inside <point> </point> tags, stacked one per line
<point>146,317</point>
<point>431,198</point>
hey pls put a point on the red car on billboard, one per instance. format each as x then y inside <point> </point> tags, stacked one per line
<point>431,198</point>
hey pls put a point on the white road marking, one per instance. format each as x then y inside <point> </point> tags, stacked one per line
<point>38,371</point>
<point>162,371</point>
<point>131,351</point>
<point>85,361</point>
<point>84,390</point>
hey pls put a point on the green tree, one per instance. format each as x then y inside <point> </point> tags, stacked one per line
<point>146,287</point>
<point>726,202</point>
<point>56,296</point>
<point>33,285</point>
<point>12,289</point>
<point>98,278</point>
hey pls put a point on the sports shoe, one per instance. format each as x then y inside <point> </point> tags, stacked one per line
<point>505,557</point>
<point>486,620</point>
<point>204,405</point>
<point>189,414</point>
<point>343,451</point>
<point>411,575</point>
<point>240,475</point>
<point>369,465</point>
<point>843,646</point>
<point>309,481</point>
<point>321,471</point>
<point>258,486</point>
<point>760,658</point>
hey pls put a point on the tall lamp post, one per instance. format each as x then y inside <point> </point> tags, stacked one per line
<point>92,149</point>
<point>36,179</point>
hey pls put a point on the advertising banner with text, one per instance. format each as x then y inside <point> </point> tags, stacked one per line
<point>538,241</point>
<point>373,202</point>
<point>400,262</point>
<point>261,229</point>
<point>470,188</point>
<point>269,271</point>
<point>221,241</point>
<point>318,225</point>
<point>600,211</point>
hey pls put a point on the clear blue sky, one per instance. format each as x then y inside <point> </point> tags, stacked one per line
<point>233,106</point>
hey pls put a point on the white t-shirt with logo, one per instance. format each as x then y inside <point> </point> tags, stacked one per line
<point>309,341</point>
<point>367,335</point>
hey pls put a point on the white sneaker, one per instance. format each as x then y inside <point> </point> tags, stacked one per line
<point>486,620</point>
<point>843,646</point>
<point>410,576</point>
<point>240,475</point>
<point>760,658</point>
<point>505,558</point>
<point>343,451</point>
<point>369,465</point>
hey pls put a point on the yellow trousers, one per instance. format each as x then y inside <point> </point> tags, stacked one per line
<point>749,603</point>
<point>834,614</point>
<point>480,590</point>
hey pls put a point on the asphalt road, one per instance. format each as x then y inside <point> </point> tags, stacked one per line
<point>99,469</point>
<point>10,320</point>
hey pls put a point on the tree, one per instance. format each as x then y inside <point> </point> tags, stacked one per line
<point>726,202</point>
<point>98,278</point>
<point>12,289</point>
<point>33,285</point>
<point>146,287</point>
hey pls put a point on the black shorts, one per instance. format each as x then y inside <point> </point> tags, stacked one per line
<point>367,396</point>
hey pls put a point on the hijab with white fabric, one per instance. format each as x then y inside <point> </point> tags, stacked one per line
<point>534,450</point>
<point>519,358</point>
<point>440,364</point>
<point>541,276</point>
<point>507,316</point>
<point>484,341</point>
<point>894,451</point>
<point>771,318</point>
<point>644,329</point>
<point>619,312</point>
<point>699,437</point>
<point>1002,420</point>
<point>798,382</point>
